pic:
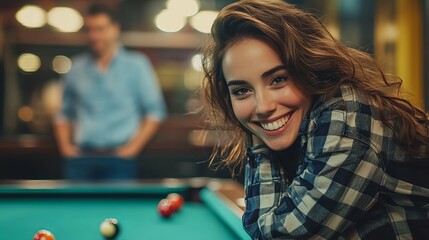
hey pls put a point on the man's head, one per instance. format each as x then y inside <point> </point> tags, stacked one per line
<point>103,29</point>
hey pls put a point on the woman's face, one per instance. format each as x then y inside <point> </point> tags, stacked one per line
<point>264,97</point>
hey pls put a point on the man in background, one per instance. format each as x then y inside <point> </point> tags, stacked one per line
<point>112,105</point>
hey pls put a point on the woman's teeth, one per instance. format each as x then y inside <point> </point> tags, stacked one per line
<point>277,124</point>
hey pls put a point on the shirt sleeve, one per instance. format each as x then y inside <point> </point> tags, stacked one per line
<point>67,110</point>
<point>337,181</point>
<point>150,95</point>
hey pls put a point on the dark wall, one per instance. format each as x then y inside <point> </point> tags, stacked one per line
<point>2,93</point>
<point>170,154</point>
<point>357,19</point>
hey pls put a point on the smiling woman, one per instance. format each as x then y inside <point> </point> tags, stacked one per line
<point>266,102</point>
<point>330,147</point>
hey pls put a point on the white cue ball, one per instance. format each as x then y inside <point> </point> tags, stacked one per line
<point>108,228</point>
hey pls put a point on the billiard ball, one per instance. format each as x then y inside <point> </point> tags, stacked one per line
<point>176,201</point>
<point>165,208</point>
<point>109,228</point>
<point>43,235</point>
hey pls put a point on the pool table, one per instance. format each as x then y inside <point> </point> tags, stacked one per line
<point>75,210</point>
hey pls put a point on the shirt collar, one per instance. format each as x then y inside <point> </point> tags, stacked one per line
<point>318,105</point>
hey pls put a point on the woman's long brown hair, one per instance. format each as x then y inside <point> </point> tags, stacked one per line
<point>318,62</point>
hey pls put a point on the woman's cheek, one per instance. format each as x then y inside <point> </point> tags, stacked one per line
<point>242,109</point>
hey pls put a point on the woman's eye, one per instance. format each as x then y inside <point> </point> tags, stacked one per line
<point>279,80</point>
<point>240,92</point>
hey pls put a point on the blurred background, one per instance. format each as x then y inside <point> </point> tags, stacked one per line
<point>38,39</point>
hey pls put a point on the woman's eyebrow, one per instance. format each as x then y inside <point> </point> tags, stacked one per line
<point>236,82</point>
<point>264,75</point>
<point>272,71</point>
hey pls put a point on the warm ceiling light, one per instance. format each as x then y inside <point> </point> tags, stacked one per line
<point>25,114</point>
<point>29,62</point>
<point>183,7</point>
<point>168,21</point>
<point>31,16</point>
<point>65,19</point>
<point>203,21</point>
<point>390,32</point>
<point>61,64</point>
<point>51,97</point>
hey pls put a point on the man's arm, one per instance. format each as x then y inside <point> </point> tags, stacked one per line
<point>148,127</point>
<point>152,107</point>
<point>63,130</point>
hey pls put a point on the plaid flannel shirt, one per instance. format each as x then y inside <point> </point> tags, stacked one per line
<point>353,181</point>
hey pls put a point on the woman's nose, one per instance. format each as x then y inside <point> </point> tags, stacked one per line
<point>265,104</point>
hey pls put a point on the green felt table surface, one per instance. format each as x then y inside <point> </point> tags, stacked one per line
<point>76,213</point>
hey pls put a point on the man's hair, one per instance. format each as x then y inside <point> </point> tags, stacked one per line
<point>97,9</point>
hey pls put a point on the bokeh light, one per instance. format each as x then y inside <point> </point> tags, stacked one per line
<point>65,19</point>
<point>390,32</point>
<point>183,8</point>
<point>51,97</point>
<point>31,16</point>
<point>203,21</point>
<point>61,64</point>
<point>29,62</point>
<point>25,114</point>
<point>168,21</point>
<point>197,62</point>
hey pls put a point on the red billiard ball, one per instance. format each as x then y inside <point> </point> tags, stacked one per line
<point>176,200</point>
<point>109,228</point>
<point>165,208</point>
<point>43,235</point>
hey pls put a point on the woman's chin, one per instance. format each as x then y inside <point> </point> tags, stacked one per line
<point>276,146</point>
